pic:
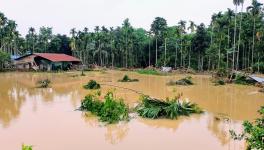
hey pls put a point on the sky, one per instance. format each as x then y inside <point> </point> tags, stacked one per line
<point>63,15</point>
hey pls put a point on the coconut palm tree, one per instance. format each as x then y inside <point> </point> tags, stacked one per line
<point>255,10</point>
<point>240,30</point>
<point>182,26</point>
<point>236,3</point>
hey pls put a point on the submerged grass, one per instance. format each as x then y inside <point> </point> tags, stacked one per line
<point>149,72</point>
<point>171,109</point>
<point>92,85</point>
<point>127,79</point>
<point>43,83</point>
<point>111,110</point>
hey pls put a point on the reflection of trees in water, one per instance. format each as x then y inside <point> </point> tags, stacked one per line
<point>16,89</point>
<point>168,123</point>
<point>219,125</point>
<point>12,98</point>
<point>114,133</point>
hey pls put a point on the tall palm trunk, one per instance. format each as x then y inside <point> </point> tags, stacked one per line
<point>219,53</point>
<point>165,52</point>
<point>228,43</point>
<point>156,63</point>
<point>234,46</point>
<point>189,62</point>
<point>149,52</point>
<point>253,43</point>
<point>176,51</point>
<point>239,36</point>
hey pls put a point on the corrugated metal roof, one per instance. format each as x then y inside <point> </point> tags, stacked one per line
<point>258,79</point>
<point>57,57</point>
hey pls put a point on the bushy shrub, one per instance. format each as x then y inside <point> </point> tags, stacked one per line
<point>43,83</point>
<point>242,79</point>
<point>127,79</point>
<point>172,109</point>
<point>92,85</point>
<point>183,81</point>
<point>110,110</point>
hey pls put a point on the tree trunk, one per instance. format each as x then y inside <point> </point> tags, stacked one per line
<point>253,43</point>
<point>176,49</point>
<point>219,53</point>
<point>165,52</point>
<point>149,52</point>
<point>234,46</point>
<point>239,36</point>
<point>228,44</point>
<point>156,63</point>
<point>189,62</point>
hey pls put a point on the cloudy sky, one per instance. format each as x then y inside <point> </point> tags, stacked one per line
<point>63,15</point>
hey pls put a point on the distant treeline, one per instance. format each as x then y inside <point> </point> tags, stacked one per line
<point>233,40</point>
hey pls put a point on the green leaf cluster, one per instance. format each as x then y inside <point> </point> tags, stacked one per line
<point>92,85</point>
<point>111,110</point>
<point>126,78</point>
<point>43,83</point>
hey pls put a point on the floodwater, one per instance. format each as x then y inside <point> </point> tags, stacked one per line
<point>46,118</point>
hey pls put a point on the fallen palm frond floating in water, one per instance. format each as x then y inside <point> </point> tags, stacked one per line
<point>110,110</point>
<point>127,79</point>
<point>92,85</point>
<point>183,81</point>
<point>171,109</point>
<point>43,83</point>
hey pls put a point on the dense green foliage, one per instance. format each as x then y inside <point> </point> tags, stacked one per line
<point>253,132</point>
<point>154,108</point>
<point>127,79</point>
<point>111,110</point>
<point>43,83</point>
<point>92,85</point>
<point>27,147</point>
<point>4,58</point>
<point>242,79</point>
<point>232,40</point>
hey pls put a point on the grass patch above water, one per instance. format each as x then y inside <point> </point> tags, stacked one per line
<point>92,85</point>
<point>110,110</point>
<point>183,81</point>
<point>43,83</point>
<point>171,109</point>
<point>127,79</point>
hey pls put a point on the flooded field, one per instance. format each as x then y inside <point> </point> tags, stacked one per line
<point>46,118</point>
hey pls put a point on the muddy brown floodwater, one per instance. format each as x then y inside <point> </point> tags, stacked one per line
<point>45,118</point>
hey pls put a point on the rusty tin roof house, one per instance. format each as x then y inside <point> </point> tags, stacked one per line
<point>46,62</point>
